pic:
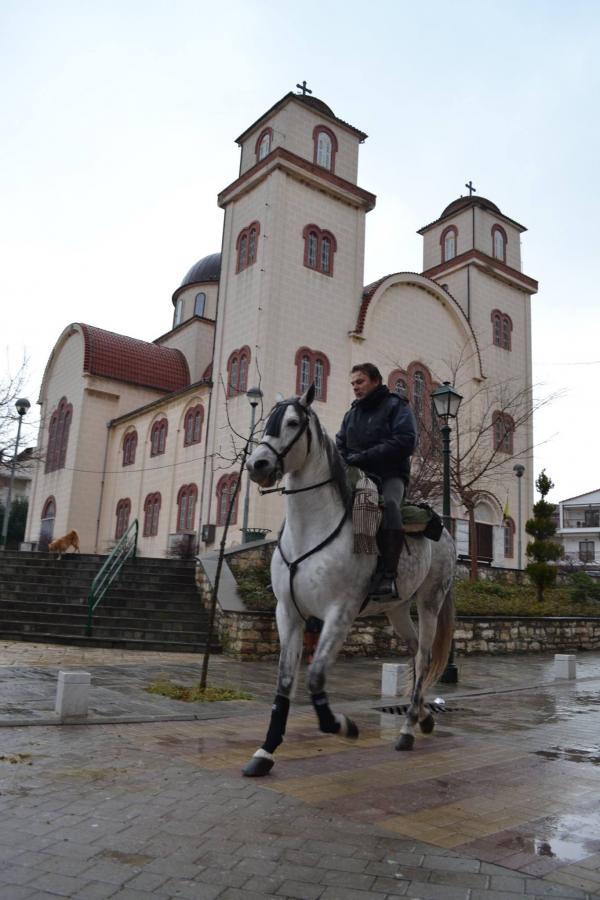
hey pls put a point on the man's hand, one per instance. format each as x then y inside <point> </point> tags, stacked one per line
<point>354,459</point>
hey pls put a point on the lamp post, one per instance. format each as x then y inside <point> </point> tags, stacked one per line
<point>254,396</point>
<point>446,402</point>
<point>22,407</point>
<point>519,469</point>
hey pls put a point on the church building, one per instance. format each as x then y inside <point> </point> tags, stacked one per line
<point>146,430</point>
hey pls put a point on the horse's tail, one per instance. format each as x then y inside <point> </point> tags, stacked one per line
<point>442,641</point>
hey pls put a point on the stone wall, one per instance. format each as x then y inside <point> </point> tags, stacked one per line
<point>479,634</point>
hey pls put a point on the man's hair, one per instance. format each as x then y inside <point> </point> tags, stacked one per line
<point>369,370</point>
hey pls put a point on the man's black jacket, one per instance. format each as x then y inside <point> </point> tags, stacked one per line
<point>379,434</point>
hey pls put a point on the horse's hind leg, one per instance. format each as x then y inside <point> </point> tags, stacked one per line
<point>290,628</point>
<point>331,639</point>
<point>416,711</point>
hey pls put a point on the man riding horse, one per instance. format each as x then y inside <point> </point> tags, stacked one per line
<point>379,435</point>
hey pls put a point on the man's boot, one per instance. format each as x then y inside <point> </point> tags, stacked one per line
<point>383,582</point>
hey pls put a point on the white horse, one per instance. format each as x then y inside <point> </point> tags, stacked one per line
<point>315,572</point>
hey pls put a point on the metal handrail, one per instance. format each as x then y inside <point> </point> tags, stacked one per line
<point>111,569</point>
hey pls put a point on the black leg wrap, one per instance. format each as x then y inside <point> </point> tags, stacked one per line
<point>327,722</point>
<point>279,714</point>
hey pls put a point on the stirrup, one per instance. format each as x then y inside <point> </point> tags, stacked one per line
<point>384,590</point>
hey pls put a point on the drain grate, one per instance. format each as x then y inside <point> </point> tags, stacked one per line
<point>399,709</point>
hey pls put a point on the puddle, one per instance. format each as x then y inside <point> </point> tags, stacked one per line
<point>568,838</point>
<point>572,754</point>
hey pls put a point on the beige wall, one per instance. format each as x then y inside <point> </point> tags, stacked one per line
<point>293,129</point>
<point>195,340</point>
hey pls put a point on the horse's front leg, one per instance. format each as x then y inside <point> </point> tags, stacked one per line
<point>290,627</point>
<point>417,712</point>
<point>331,640</point>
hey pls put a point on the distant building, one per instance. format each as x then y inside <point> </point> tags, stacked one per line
<point>579,528</point>
<point>24,469</point>
<point>133,429</point>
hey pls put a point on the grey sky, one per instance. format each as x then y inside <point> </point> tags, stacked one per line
<point>117,131</point>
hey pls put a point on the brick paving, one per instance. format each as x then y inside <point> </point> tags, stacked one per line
<point>499,803</point>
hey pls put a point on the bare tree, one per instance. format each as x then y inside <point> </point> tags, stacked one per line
<point>12,387</point>
<point>482,444</point>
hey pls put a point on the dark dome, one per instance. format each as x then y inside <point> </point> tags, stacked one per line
<point>462,202</point>
<point>316,104</point>
<point>206,269</point>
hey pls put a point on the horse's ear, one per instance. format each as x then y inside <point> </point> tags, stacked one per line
<point>308,396</point>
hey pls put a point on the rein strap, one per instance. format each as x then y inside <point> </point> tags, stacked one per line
<point>283,490</point>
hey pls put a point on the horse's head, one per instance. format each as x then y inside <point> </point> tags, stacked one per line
<point>286,440</point>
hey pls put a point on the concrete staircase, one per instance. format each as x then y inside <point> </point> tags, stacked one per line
<point>154,605</point>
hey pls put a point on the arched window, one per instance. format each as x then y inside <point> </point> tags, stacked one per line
<point>47,523</point>
<point>237,371</point>
<point>129,447</point>
<point>226,493</point>
<point>312,366</point>
<point>398,382</point>
<point>319,248</point>
<point>178,314</point>
<point>504,427</point>
<point>448,241</point>
<point>158,437</point>
<point>509,538</point>
<point>501,329</point>
<point>58,436</point>
<point>325,147</point>
<point>151,514</point>
<point>199,304</point>
<point>499,242</point>
<point>247,246</point>
<point>263,144</point>
<point>192,425</point>
<point>186,507</point>
<point>122,513</point>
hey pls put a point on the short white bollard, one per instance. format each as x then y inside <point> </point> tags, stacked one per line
<point>565,665</point>
<point>393,678</point>
<point>72,694</point>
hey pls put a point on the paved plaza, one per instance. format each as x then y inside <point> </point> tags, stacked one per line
<point>146,799</point>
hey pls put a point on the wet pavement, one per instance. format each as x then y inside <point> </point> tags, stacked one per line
<point>146,798</point>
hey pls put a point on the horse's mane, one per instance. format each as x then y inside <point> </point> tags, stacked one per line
<point>337,467</point>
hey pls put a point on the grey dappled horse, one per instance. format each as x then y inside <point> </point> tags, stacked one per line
<point>315,572</point>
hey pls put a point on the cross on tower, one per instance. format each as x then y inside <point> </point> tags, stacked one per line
<point>304,89</point>
<point>472,190</point>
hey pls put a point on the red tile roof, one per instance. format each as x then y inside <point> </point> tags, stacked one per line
<point>136,362</point>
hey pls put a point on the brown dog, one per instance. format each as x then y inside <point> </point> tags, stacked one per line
<point>62,544</point>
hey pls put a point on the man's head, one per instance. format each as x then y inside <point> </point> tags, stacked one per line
<point>364,378</point>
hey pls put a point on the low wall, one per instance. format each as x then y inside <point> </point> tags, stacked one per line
<point>248,634</point>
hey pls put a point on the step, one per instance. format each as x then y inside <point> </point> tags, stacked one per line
<point>166,646</point>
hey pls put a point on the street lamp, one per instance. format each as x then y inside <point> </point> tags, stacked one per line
<point>254,396</point>
<point>518,469</point>
<point>22,407</point>
<point>446,402</point>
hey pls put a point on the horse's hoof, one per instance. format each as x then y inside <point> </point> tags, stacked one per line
<point>351,729</point>
<point>427,724</point>
<point>405,742</point>
<point>258,766</point>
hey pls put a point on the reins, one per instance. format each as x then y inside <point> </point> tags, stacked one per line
<point>293,566</point>
<point>283,490</point>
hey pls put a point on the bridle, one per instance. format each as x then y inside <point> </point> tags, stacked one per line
<point>280,455</point>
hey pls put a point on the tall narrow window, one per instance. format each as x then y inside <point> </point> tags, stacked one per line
<point>237,371</point>
<point>247,246</point>
<point>158,437</point>
<point>312,366</point>
<point>226,494</point>
<point>199,304</point>
<point>123,511</point>
<point>503,432</point>
<point>151,514</point>
<point>418,394</point>
<point>501,329</point>
<point>186,507</point>
<point>47,523</point>
<point>192,425</point>
<point>58,436</point>
<point>448,241</point>
<point>263,144</point>
<point>325,147</point>
<point>129,447</point>
<point>319,248</point>
<point>499,241</point>
<point>506,330</point>
<point>178,315</point>
<point>398,382</point>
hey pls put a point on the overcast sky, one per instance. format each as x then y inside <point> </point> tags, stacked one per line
<point>118,121</point>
